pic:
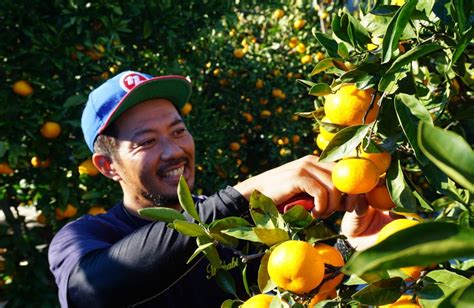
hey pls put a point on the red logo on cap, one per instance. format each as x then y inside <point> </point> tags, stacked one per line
<point>130,81</point>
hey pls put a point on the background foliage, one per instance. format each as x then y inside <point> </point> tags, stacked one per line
<point>244,62</point>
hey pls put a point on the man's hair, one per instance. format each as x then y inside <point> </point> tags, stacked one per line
<point>107,142</point>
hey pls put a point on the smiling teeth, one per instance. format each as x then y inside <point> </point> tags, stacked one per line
<point>175,172</point>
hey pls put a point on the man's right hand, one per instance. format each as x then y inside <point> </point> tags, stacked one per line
<point>304,175</point>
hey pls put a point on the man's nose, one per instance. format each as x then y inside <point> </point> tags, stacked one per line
<point>170,149</point>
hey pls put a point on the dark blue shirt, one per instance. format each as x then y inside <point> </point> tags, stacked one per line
<point>116,259</point>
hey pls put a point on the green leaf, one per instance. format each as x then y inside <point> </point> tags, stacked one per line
<point>320,89</point>
<point>265,284</point>
<point>342,50</point>
<point>306,83</point>
<point>321,67</point>
<point>465,40</point>
<point>186,199</point>
<point>198,250</point>
<point>460,11</point>
<point>412,55</point>
<point>400,192</point>
<point>457,162</point>
<point>210,251</point>
<point>319,232</point>
<point>264,212</point>
<point>409,117</point>
<point>230,303</point>
<point>395,29</point>
<point>423,244</point>
<point>217,226</point>
<point>298,217</point>
<point>161,213</point>
<point>188,228</point>
<point>463,297</point>
<point>380,293</point>
<point>339,27</point>
<point>74,100</point>
<point>271,237</point>
<point>226,282</point>
<point>243,233</point>
<point>392,73</point>
<point>344,143</point>
<point>328,43</point>
<point>357,33</point>
<point>438,285</point>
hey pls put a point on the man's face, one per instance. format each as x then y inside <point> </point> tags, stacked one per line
<point>154,149</point>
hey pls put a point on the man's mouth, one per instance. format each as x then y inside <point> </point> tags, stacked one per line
<point>174,172</point>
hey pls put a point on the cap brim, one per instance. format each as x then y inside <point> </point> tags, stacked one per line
<point>176,89</point>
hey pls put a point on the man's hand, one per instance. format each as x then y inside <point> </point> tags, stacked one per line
<point>304,175</point>
<point>361,222</point>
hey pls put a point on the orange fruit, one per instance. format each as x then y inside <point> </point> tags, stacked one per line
<point>68,212</point>
<point>379,198</point>
<point>87,167</point>
<point>322,142</point>
<point>186,109</point>
<point>301,48</point>
<point>306,59</point>
<point>258,301</point>
<point>239,53</point>
<point>5,168</point>
<point>234,146</point>
<point>248,117</point>
<point>50,130</point>
<point>265,113</point>
<point>277,93</point>
<point>381,160</point>
<point>330,255</point>
<point>320,56</point>
<point>95,210</point>
<point>349,104</point>
<point>295,266</point>
<point>293,42</point>
<point>355,175</point>
<point>259,84</point>
<point>278,13</point>
<point>22,88</point>
<point>298,24</point>
<point>322,296</point>
<point>324,132</point>
<point>36,162</point>
<point>413,272</point>
<point>405,301</point>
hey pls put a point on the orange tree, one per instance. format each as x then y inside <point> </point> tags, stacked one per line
<point>243,58</point>
<point>408,65</point>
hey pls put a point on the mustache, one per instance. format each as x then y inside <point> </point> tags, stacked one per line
<point>170,163</point>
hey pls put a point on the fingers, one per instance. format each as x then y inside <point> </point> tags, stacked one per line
<point>316,181</point>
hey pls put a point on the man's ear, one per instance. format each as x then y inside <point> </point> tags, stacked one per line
<point>106,166</point>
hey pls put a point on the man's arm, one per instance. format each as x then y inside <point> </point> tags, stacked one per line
<point>145,262</point>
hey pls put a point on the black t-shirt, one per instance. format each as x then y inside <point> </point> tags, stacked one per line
<point>119,260</point>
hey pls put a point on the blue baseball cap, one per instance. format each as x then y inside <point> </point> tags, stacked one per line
<point>125,90</point>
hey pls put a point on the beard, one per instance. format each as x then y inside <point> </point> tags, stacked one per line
<point>161,200</point>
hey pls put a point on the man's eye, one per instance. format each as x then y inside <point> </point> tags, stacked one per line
<point>180,131</point>
<point>146,142</point>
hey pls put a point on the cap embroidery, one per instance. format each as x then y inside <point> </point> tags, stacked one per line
<point>129,81</point>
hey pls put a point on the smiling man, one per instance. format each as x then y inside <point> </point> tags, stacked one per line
<point>132,125</point>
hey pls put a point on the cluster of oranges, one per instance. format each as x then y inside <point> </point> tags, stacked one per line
<point>360,172</point>
<point>310,271</point>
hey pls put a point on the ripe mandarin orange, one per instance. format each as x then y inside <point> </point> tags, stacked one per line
<point>295,266</point>
<point>87,167</point>
<point>258,301</point>
<point>22,88</point>
<point>349,104</point>
<point>330,255</point>
<point>379,198</point>
<point>50,130</point>
<point>355,175</point>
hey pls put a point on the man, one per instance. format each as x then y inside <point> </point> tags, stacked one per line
<point>132,125</point>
